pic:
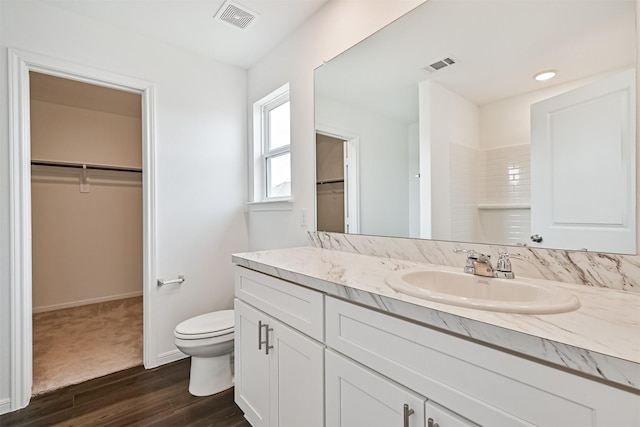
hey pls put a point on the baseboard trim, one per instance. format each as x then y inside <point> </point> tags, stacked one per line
<point>5,406</point>
<point>79,303</point>
<point>170,356</point>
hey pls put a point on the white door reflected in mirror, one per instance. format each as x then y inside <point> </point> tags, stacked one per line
<point>583,170</point>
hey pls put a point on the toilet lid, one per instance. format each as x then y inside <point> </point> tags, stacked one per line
<point>207,325</point>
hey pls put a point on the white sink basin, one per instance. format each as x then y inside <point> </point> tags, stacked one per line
<point>484,293</point>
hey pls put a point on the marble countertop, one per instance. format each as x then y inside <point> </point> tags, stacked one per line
<point>600,339</point>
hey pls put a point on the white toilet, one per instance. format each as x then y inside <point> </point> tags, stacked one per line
<point>208,339</point>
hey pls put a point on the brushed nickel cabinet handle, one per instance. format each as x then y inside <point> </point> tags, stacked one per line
<point>266,341</point>
<point>407,413</point>
<point>260,342</point>
<point>267,329</point>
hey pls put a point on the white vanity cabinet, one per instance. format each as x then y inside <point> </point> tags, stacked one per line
<point>279,358</point>
<point>462,382</point>
<point>305,359</point>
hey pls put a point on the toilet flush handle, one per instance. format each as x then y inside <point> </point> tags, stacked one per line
<point>177,281</point>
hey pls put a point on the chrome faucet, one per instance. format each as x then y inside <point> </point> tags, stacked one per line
<point>503,268</point>
<point>480,264</point>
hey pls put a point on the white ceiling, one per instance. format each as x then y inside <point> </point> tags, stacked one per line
<point>190,24</point>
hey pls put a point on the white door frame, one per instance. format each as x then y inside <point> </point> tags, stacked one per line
<point>20,63</point>
<point>351,175</point>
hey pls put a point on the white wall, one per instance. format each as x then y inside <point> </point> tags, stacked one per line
<point>445,119</point>
<point>200,148</point>
<point>334,28</point>
<point>382,167</point>
<point>87,247</point>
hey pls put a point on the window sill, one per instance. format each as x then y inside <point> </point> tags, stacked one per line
<point>283,204</point>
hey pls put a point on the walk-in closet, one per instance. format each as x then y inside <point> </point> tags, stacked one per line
<point>86,208</point>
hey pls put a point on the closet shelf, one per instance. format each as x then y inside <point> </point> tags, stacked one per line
<point>81,165</point>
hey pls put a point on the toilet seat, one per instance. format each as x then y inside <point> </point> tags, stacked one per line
<point>209,325</point>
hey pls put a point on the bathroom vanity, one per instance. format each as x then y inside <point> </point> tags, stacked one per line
<point>322,340</point>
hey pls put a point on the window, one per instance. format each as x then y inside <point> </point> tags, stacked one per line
<point>272,146</point>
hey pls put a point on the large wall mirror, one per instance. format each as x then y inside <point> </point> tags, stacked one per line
<point>435,127</point>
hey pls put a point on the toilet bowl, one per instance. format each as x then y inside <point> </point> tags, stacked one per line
<point>208,339</point>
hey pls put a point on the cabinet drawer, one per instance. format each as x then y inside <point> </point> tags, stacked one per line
<point>297,306</point>
<point>482,384</point>
<point>436,415</point>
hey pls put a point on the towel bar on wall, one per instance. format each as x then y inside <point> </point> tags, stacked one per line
<point>178,281</point>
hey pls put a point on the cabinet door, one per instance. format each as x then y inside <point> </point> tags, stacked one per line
<point>251,365</point>
<point>297,378</point>
<point>358,397</point>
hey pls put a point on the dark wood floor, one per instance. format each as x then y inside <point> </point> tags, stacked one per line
<point>138,397</point>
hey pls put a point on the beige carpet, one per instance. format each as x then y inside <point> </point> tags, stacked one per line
<point>77,344</point>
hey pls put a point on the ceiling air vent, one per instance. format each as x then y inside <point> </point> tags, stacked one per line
<point>235,14</point>
<point>438,65</point>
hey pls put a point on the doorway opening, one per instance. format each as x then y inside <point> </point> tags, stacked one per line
<point>337,202</point>
<point>330,211</point>
<point>86,226</point>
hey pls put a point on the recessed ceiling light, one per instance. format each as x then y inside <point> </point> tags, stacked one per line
<point>545,75</point>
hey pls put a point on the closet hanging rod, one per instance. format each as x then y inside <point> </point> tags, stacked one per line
<point>80,166</point>
<point>330,181</point>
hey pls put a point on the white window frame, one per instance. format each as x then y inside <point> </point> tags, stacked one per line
<point>261,153</point>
